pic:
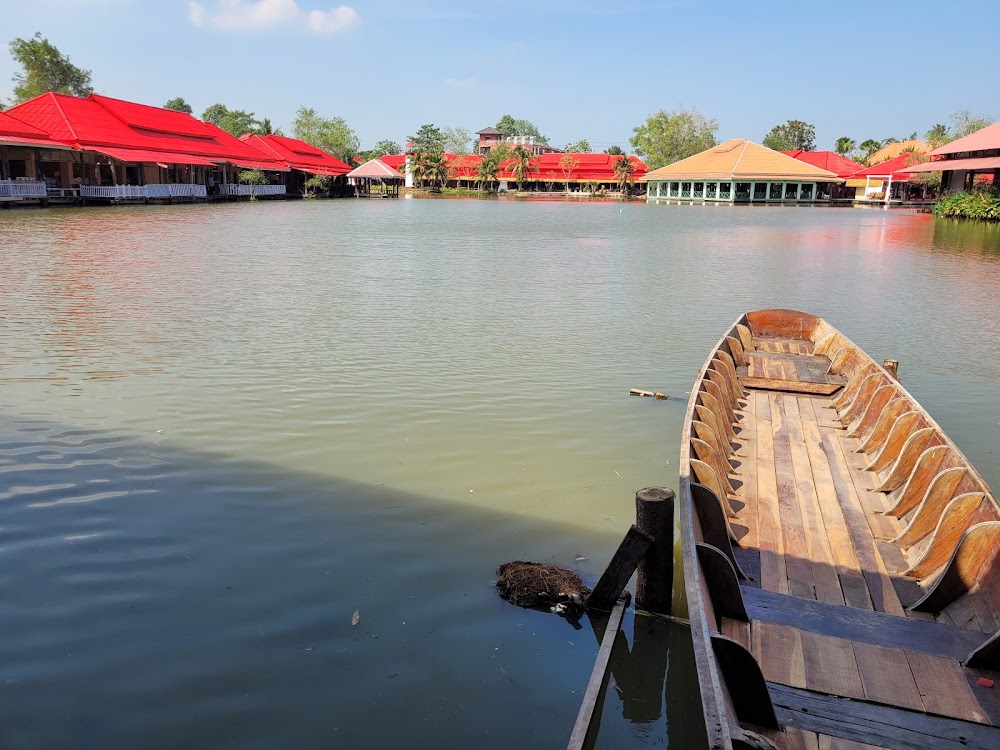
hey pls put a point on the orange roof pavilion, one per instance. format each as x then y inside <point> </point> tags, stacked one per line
<point>740,170</point>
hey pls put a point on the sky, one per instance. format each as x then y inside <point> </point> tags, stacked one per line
<point>591,69</point>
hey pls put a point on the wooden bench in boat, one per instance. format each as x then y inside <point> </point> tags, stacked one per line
<point>841,555</point>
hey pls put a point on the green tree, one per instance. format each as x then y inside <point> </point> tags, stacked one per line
<point>428,139</point>
<point>177,104</point>
<point>868,147</point>
<point>253,178</point>
<point>522,164</point>
<point>238,122</point>
<point>615,151</point>
<point>427,166</point>
<point>937,136</point>
<point>332,135</point>
<point>510,126</point>
<point>384,147</point>
<point>215,113</point>
<point>456,141</point>
<point>794,134</point>
<point>965,123</point>
<point>489,168</point>
<point>581,146</point>
<point>667,137</point>
<point>625,172</point>
<point>44,68</point>
<point>263,127</point>
<point>845,145</point>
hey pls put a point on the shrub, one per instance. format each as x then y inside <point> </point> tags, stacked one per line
<point>982,205</point>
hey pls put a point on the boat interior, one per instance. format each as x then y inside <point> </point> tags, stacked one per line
<point>842,556</point>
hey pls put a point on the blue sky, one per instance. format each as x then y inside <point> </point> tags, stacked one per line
<point>576,68</point>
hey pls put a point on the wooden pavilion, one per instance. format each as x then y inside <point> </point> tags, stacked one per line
<point>375,179</point>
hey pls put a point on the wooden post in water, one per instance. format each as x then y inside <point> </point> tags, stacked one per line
<point>654,514</point>
<point>892,367</point>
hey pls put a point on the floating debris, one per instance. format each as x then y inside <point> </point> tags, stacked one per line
<point>539,586</point>
<point>649,394</point>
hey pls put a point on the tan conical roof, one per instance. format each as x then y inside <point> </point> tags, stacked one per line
<point>740,159</point>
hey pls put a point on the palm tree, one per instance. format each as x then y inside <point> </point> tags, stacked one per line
<point>435,169</point>
<point>624,171</point>
<point>522,163</point>
<point>488,170</point>
<point>845,145</point>
<point>937,136</point>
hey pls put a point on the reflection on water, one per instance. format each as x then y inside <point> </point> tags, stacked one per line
<point>223,429</point>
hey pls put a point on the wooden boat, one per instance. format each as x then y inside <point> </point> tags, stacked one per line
<point>841,556</point>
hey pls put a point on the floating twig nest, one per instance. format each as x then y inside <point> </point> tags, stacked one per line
<point>545,587</point>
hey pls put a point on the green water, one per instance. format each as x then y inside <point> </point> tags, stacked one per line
<point>225,429</point>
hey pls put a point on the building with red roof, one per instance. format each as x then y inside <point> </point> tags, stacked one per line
<point>121,146</point>
<point>303,159</point>
<point>966,160</point>
<point>552,172</point>
<point>28,160</point>
<point>888,180</point>
<point>831,161</point>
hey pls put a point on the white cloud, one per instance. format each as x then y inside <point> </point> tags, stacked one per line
<point>462,84</point>
<point>251,15</point>
<point>334,20</point>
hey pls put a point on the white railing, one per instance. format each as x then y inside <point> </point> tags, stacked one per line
<point>120,192</point>
<point>23,189</point>
<point>231,189</point>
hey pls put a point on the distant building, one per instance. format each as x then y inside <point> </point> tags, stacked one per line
<point>967,160</point>
<point>740,171</point>
<point>489,138</point>
<point>892,150</point>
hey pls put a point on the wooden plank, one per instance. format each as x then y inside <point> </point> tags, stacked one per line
<point>944,688</point>
<point>796,553</point>
<point>738,630</point>
<point>772,383</point>
<point>747,492</point>
<point>886,676</point>
<point>880,588</point>
<point>630,552</point>
<point>852,581</point>
<point>824,571</point>
<point>826,742</point>
<point>598,678</point>
<point>831,666</point>
<point>772,560</point>
<point>762,406</point>
<point>878,725</point>
<point>862,626</point>
<point>778,650</point>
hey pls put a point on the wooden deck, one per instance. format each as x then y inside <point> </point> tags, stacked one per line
<point>829,535</point>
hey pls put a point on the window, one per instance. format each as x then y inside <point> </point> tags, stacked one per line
<point>699,190</point>
<point>711,188</point>
<point>685,190</point>
<point>742,191</point>
<point>760,191</point>
<point>774,192</point>
<point>675,189</point>
<point>725,190</point>
<point>791,191</point>
<point>806,191</point>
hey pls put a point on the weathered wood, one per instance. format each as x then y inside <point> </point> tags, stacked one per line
<point>962,513</point>
<point>853,384</point>
<point>598,678</point>
<point>638,392</point>
<point>861,426</point>
<point>876,437</point>
<point>615,577</point>
<point>736,350</point>
<point>727,360</point>
<point>782,323</point>
<point>723,584</point>
<point>891,366</point>
<point>790,386</point>
<point>713,405</point>
<point>704,452</point>
<point>928,513</point>
<point>705,433</point>
<point>861,399</point>
<point>883,726</point>
<point>943,687</point>
<point>975,556</point>
<point>654,514</point>
<point>925,470</point>
<point>745,682</point>
<point>745,336</point>
<point>704,474</point>
<point>902,429</point>
<point>901,470</point>
<point>986,656</point>
<point>715,527</point>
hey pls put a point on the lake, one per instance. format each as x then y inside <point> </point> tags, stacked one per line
<point>224,429</point>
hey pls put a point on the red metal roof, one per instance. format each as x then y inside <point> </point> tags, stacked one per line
<point>395,161</point>
<point>141,155</point>
<point>547,167</point>
<point>297,154</point>
<point>376,168</point>
<point>899,168</point>
<point>100,121</point>
<point>981,162</point>
<point>982,140</point>
<point>828,160</point>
